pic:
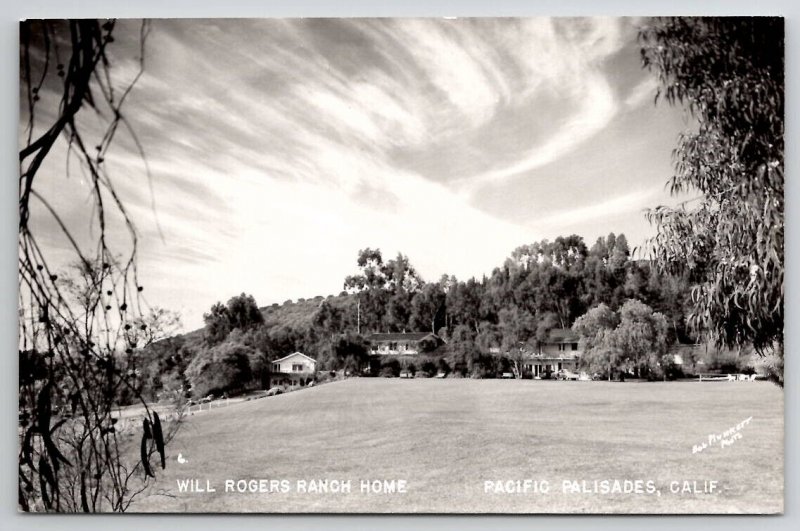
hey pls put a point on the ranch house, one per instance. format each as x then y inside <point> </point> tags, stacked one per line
<point>291,370</point>
<point>402,344</point>
<point>559,351</point>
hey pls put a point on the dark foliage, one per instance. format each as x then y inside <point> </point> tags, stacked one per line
<point>729,74</point>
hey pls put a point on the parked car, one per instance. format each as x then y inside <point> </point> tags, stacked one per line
<point>507,375</point>
<point>564,374</point>
<point>441,375</point>
<point>406,374</point>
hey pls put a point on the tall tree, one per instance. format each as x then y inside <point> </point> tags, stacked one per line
<point>369,288</point>
<point>428,307</point>
<point>729,73</point>
<point>641,336</point>
<point>243,312</point>
<point>517,328</point>
<point>633,339</point>
<point>218,324</point>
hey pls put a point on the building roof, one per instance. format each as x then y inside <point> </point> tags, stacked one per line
<point>544,358</point>
<point>562,335</point>
<point>292,355</point>
<point>404,336</point>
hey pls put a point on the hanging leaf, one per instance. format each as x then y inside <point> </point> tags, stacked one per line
<point>47,481</point>
<point>146,435</point>
<point>158,435</point>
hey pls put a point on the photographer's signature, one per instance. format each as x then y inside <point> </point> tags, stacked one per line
<point>724,439</point>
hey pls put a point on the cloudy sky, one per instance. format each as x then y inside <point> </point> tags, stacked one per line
<point>279,148</point>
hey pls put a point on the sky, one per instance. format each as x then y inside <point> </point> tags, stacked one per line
<point>278,148</point>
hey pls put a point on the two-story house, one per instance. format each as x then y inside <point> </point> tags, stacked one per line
<point>294,369</point>
<point>560,350</point>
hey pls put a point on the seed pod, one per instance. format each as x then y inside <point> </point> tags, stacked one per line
<point>84,499</point>
<point>43,409</point>
<point>158,435</point>
<point>46,480</point>
<point>27,447</point>
<point>143,450</point>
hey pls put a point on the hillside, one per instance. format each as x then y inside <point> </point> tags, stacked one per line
<point>298,314</point>
<point>291,314</point>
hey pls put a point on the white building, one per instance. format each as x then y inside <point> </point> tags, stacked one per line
<point>294,369</point>
<point>561,351</point>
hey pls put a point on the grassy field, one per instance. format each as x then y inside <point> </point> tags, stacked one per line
<point>446,438</point>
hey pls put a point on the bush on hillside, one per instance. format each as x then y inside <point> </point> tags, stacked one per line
<point>223,368</point>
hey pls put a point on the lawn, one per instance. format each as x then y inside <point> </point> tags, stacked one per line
<point>447,438</point>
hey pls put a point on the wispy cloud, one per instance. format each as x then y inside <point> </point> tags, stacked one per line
<point>643,92</point>
<point>608,208</point>
<point>278,148</point>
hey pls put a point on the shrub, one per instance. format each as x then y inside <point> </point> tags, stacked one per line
<point>390,367</point>
<point>429,367</point>
<point>223,368</point>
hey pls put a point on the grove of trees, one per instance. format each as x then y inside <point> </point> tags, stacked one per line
<point>489,324</point>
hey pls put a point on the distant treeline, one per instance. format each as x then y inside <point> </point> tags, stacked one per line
<point>541,286</point>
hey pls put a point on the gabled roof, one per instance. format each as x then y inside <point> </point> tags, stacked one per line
<point>293,354</point>
<point>562,335</point>
<point>401,336</point>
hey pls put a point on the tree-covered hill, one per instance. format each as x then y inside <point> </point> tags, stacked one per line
<point>539,287</point>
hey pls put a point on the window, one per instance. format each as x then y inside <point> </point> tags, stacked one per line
<point>276,367</point>
<point>574,346</point>
<point>297,367</point>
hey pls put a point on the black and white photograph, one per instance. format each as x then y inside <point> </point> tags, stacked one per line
<point>444,265</point>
